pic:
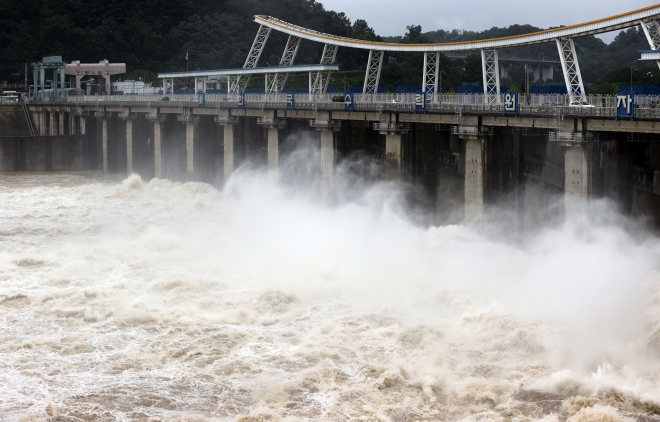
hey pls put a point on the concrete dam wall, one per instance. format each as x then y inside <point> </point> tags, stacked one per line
<point>512,174</point>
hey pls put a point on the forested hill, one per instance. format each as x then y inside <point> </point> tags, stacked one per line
<point>154,35</point>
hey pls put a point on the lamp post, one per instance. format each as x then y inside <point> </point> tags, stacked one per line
<point>440,73</point>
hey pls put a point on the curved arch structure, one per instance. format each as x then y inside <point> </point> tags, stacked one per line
<point>612,23</point>
<point>563,37</point>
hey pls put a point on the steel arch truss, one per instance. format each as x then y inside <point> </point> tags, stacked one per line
<point>372,77</point>
<point>258,45</point>
<point>652,31</point>
<point>431,73</point>
<point>571,68</point>
<point>490,67</point>
<point>318,82</point>
<point>275,82</point>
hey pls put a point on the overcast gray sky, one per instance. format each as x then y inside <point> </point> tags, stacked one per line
<point>390,17</point>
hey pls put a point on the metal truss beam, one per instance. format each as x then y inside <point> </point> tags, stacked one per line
<point>275,82</point>
<point>320,80</point>
<point>490,67</point>
<point>372,77</point>
<point>652,31</point>
<point>252,59</point>
<point>571,68</point>
<point>431,73</point>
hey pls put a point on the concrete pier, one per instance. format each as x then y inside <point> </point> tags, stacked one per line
<point>474,180</point>
<point>36,118</point>
<point>158,149</point>
<point>52,129</point>
<point>273,149</point>
<point>576,179</point>
<point>327,165</point>
<point>129,146</point>
<point>83,127</point>
<point>228,139</point>
<point>393,168</point>
<point>104,140</point>
<point>190,149</point>
<point>60,126</point>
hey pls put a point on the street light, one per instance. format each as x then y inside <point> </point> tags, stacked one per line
<point>442,72</point>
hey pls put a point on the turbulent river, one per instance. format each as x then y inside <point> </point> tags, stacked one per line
<point>127,300</point>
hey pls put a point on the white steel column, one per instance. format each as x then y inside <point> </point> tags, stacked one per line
<point>253,57</point>
<point>320,80</point>
<point>273,149</point>
<point>571,68</point>
<point>129,146</point>
<point>431,73</point>
<point>190,149</point>
<point>372,77</point>
<point>490,67</point>
<point>327,165</point>
<point>278,80</point>
<point>104,138</point>
<point>229,150</point>
<point>652,32</point>
<point>158,151</point>
<point>474,180</point>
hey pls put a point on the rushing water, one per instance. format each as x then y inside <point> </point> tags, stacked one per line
<point>160,301</point>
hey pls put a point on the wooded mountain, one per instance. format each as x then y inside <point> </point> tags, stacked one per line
<point>154,35</point>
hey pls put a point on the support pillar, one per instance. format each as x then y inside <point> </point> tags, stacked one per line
<point>273,149</point>
<point>36,117</point>
<point>104,138</point>
<point>52,130</point>
<point>83,128</point>
<point>129,146</point>
<point>393,168</point>
<point>72,124</point>
<point>229,150</point>
<point>327,165</point>
<point>158,155</point>
<point>190,149</point>
<point>474,180</point>
<point>576,189</point>
<point>61,123</point>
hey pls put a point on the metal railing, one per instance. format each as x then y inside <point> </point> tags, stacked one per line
<point>574,137</point>
<point>647,106</point>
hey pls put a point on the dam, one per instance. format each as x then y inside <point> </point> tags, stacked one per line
<point>227,255</point>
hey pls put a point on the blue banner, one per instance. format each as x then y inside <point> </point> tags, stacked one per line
<point>625,106</point>
<point>290,101</point>
<point>511,103</point>
<point>420,101</point>
<point>349,101</point>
